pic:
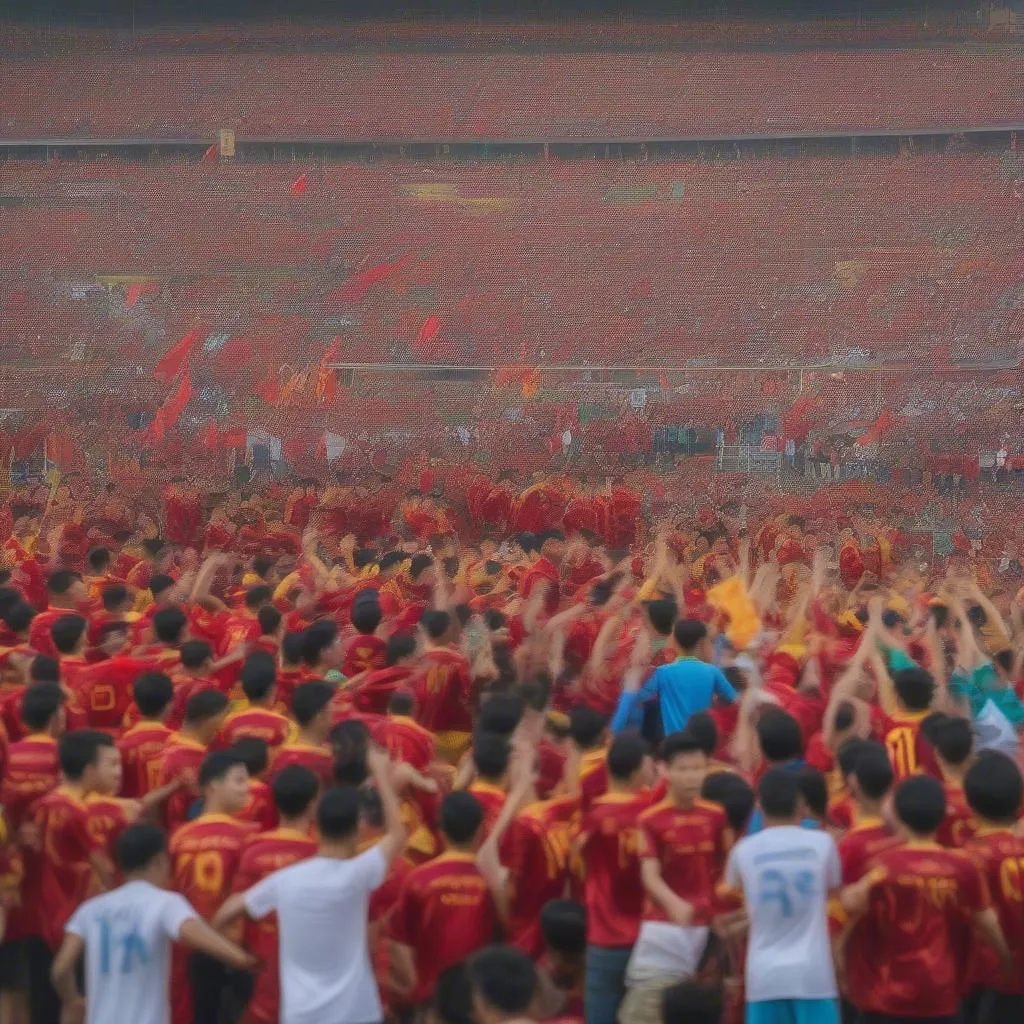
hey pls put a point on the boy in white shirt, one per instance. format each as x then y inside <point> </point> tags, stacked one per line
<point>787,874</point>
<point>126,936</point>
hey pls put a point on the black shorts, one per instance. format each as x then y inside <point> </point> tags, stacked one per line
<point>14,965</point>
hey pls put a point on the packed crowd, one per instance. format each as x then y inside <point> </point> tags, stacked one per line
<point>507,753</point>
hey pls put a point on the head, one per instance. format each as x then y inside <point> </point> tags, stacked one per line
<point>116,599</point>
<point>265,567</point>
<point>170,626</point>
<point>44,669</point>
<point>253,753</point>
<point>920,805</point>
<point>402,703</point>
<point>691,637</point>
<point>311,707</point>
<point>733,794</point>
<point>701,726</point>
<point>630,764</point>
<point>872,778</point>
<point>204,715</point>
<point>270,620</point>
<point>780,797</point>
<point>953,743</point>
<point>587,727</point>
<point>89,759</point>
<point>461,820</point>
<point>401,649</point>
<point>505,984</point>
<point>367,615</point>
<point>113,638</point>
<point>686,765</point>
<point>661,614</point>
<point>813,791</point>
<point>65,589</point>
<point>161,586</point>
<point>153,692</point>
<point>779,736</point>
<point>915,689</point>
<point>320,644</point>
<point>141,853</point>
<point>491,755</point>
<point>295,790</point>
<point>693,1002</point>
<point>337,817</point>
<point>69,635</point>
<point>392,564</point>
<point>563,923</point>
<point>292,647</point>
<point>196,657</point>
<point>350,741</point>
<point>99,561</point>
<point>437,626</point>
<point>18,618</point>
<point>501,714</point>
<point>994,788</point>
<point>42,709</point>
<point>259,677</point>
<point>422,571</point>
<point>453,998</point>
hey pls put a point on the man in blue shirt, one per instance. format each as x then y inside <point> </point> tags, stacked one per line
<point>688,685</point>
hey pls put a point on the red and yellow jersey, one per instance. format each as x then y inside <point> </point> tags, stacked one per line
<point>257,723</point>
<point>318,760</point>
<point>205,857</point>
<point>260,809</point>
<point>106,818</point>
<point>959,826</point>
<point>362,653</point>
<point>182,756</point>
<point>142,748</point>
<point>492,800</point>
<point>444,688</point>
<point>901,734</point>
<point>32,771</point>
<point>406,740</point>
<point>105,691</point>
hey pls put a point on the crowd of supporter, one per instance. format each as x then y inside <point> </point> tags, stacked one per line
<point>308,754</point>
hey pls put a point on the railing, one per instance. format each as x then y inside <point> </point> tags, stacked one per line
<point>747,458</point>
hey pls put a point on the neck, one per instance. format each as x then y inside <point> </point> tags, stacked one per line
<point>299,824</point>
<point>191,733</point>
<point>309,739</point>
<point>770,822</point>
<point>338,849</point>
<point>953,773</point>
<point>76,789</point>
<point>614,786</point>
<point>466,848</point>
<point>869,808</point>
<point>684,803</point>
<point>214,807</point>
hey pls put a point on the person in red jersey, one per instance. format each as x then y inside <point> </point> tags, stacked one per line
<point>258,719</point>
<point>116,606</point>
<point>505,987</point>
<point>994,789</point>
<point>271,626</point>
<point>445,910</point>
<point>193,674</point>
<point>683,843</point>
<point>142,745</point>
<point>104,689</point>
<point>366,651</point>
<point>69,640</point>
<point>295,792</point>
<point>185,751</point>
<point>205,856</point>
<point>614,891</point>
<point>952,744</point>
<point>588,730</point>
<point>443,686</point>
<point>901,731</point>
<point>311,709</point>
<point>291,671</point>
<point>402,736</point>
<point>491,754</point>
<point>545,574</point>
<point>259,808</point>
<point>371,692</point>
<point>563,924</point>
<point>920,903</point>
<point>66,594</point>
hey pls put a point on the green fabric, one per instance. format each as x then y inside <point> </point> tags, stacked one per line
<point>983,684</point>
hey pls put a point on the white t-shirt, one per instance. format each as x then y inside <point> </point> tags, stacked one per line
<point>786,874</point>
<point>322,906</point>
<point>128,935</point>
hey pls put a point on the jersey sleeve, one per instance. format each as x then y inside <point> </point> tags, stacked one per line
<point>78,924</point>
<point>370,869</point>
<point>833,867</point>
<point>176,910</point>
<point>262,898</point>
<point>404,923</point>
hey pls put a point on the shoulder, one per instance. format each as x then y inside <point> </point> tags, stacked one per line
<point>711,810</point>
<point>655,812</point>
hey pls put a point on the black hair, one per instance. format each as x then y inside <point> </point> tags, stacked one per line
<point>371,807</point>
<point>138,846</point>
<point>292,646</point>
<point>337,817</point>
<point>169,625</point>
<point>216,766</point>
<point>661,613</point>
<point>258,676</point>
<point>701,726</point>
<point>676,744</point>
<point>873,771</point>
<point>688,633</point>
<point>452,1002</point>
<point>295,789</point>
<point>563,923</point>
<point>814,790</point>
<point>61,581</point>
<point>504,978</point>
<point>779,793</point>
<point>152,546</point>
<point>19,616</point>
<point>262,564</point>
<point>309,699</point>
<point>194,653</point>
<point>436,623</point>
<point>401,702</point>
<point>153,692</point>
<point>953,741</point>
<point>1004,659</point>
<point>845,716</point>
<point>77,750</point>
<point>253,753</point>
<point>733,794</point>
<point>392,558</point>
<point>976,616</point>
<point>940,615</point>
<point>204,705</point>
<point>849,754</point>
<point>778,733</point>
<point>461,817</point>
<point>915,688</point>
<point>693,1002</point>
<point>500,714</point>
<point>114,596</point>
<point>418,563</point>
<point>257,596</point>
<point>920,804</point>
<point>317,638</point>
<point>67,631</point>
<point>586,726</point>
<point>99,559</point>
<point>362,557</point>
<point>399,647</point>
<point>9,596</point>
<point>463,613</point>
<point>351,743</point>
<point>626,756</point>
<point>994,788</point>
<point>536,692</point>
<point>491,754</point>
<point>366,616</point>
<point>44,669</point>
<point>159,583</point>
<point>891,618</point>
<point>269,619</point>
<point>39,703</point>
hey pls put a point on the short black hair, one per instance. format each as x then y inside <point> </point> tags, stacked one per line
<point>44,669</point>
<point>257,596</point>
<point>661,613</point>
<point>915,688</point>
<point>39,703</point>
<point>160,582</point>
<point>563,923</point>
<point>153,546</point>
<point>994,788</point>
<point>169,625</point>
<point>215,766</point>
<point>401,702</point>
<point>418,563</point>
<point>504,978</point>
<point>366,616</point>
<point>337,817</point>
<point>849,754</point>
<point>940,615</point>
<point>626,756</point>
<point>114,596</point>
<point>350,740</point>
<point>920,804</point>
<point>500,714</point>
<point>61,581</point>
<point>317,638</point>
<point>491,754</point>
<point>204,705</point>
<point>19,616</point>
<point>436,623</point>
<point>293,645</point>
<point>845,716</point>
<point>452,1002</point>
<point>461,817</point>
<point>693,1002</point>
<point>295,789</point>
<point>253,753</point>
<point>99,559</point>
<point>258,676</point>
<point>153,692</point>
<point>138,846</point>
<point>779,736</point>
<point>814,790</point>
<point>391,558</point>
<point>873,771</point>
<point>269,619</point>
<point>688,633</point>
<point>262,564</point>
<point>954,741</point>
<point>586,726</point>
<point>309,699</point>
<point>676,744</point>
<point>779,793</point>
<point>733,794</point>
<point>194,653</point>
<point>77,750</point>
<point>9,596</point>
<point>1004,659</point>
<point>701,726</point>
<point>67,631</point>
<point>399,647</point>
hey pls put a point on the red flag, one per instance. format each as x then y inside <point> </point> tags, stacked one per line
<point>168,413</point>
<point>210,156</point>
<point>176,358</point>
<point>300,186</point>
<point>356,287</point>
